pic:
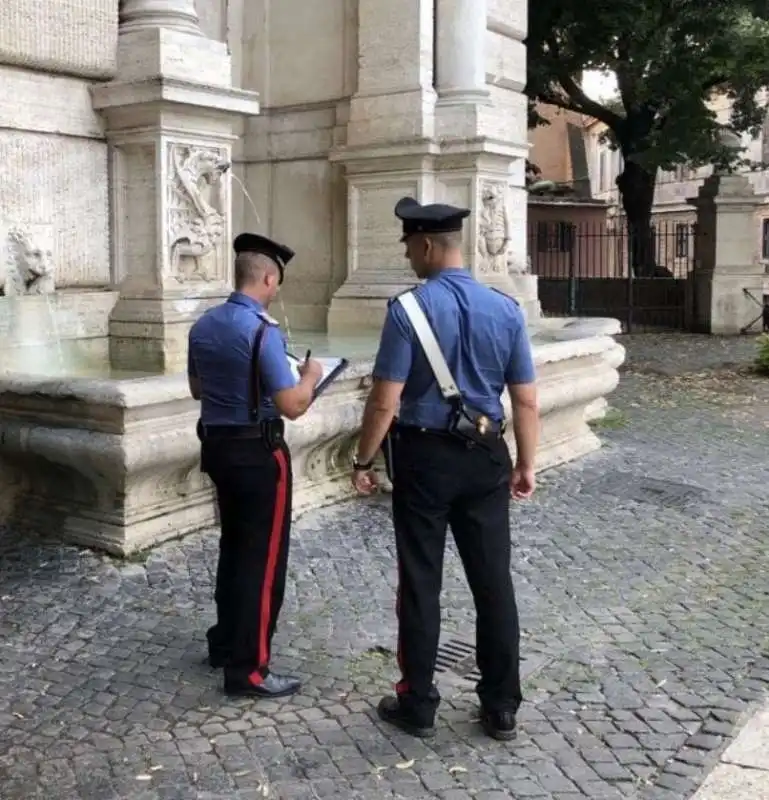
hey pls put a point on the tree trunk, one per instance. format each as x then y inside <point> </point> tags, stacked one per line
<point>636,186</point>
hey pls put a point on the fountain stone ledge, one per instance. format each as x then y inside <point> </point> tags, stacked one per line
<point>115,464</point>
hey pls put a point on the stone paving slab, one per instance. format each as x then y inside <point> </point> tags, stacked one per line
<point>751,748</point>
<point>646,628</point>
<point>728,782</point>
<point>743,773</point>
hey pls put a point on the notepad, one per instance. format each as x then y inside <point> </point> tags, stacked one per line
<point>332,368</point>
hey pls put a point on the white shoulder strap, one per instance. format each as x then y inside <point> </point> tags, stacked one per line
<point>430,345</point>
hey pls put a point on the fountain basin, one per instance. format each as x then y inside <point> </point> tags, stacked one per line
<point>113,463</point>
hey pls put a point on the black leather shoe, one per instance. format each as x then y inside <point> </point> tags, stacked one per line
<point>390,710</point>
<point>271,686</point>
<point>500,725</point>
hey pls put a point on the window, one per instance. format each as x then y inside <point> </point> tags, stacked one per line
<point>765,141</point>
<point>555,237</point>
<point>682,240</point>
<point>603,177</point>
<point>765,239</point>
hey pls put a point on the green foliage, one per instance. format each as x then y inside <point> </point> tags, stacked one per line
<point>614,419</point>
<point>762,358</point>
<point>670,57</point>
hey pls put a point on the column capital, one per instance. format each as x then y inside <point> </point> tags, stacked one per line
<point>179,15</point>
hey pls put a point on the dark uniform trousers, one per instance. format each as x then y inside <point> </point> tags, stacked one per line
<point>253,487</point>
<point>439,481</point>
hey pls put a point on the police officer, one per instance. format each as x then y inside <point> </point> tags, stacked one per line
<point>441,477</point>
<point>239,371</point>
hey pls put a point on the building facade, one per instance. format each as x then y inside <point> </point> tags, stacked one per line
<point>336,110</point>
<point>672,211</point>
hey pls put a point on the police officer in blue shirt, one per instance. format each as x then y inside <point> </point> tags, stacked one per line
<point>239,371</point>
<point>445,473</point>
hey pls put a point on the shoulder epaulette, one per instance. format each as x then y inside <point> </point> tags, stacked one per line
<point>504,294</point>
<point>405,291</point>
<point>265,317</point>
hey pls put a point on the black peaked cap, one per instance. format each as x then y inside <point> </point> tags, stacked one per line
<point>256,243</point>
<point>433,218</point>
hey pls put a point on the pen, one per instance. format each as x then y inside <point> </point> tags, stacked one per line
<point>307,357</point>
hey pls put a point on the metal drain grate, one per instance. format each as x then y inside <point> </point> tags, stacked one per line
<point>666,494</point>
<point>457,656</point>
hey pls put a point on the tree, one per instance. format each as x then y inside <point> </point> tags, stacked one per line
<point>670,58</point>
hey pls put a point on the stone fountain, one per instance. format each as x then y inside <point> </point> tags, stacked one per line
<point>116,222</point>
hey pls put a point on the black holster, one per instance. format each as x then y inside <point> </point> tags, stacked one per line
<point>473,427</point>
<point>273,433</point>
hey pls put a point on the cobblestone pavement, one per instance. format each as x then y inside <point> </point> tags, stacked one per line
<point>641,574</point>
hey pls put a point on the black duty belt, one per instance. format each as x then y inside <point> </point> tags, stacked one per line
<point>494,430</point>
<point>232,431</point>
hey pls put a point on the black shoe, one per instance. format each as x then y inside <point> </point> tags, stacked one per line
<point>390,710</point>
<point>217,660</point>
<point>500,725</point>
<point>271,686</point>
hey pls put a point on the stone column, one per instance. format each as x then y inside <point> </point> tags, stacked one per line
<point>460,74</point>
<point>461,50</point>
<point>170,119</point>
<point>179,15</point>
<point>726,263</point>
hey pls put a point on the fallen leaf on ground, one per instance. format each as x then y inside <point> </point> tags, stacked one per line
<point>144,777</point>
<point>406,764</point>
<point>457,770</point>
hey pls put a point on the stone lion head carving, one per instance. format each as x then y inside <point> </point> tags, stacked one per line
<point>30,268</point>
<point>207,165</point>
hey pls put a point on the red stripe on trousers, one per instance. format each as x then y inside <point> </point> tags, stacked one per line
<point>402,686</point>
<point>276,532</point>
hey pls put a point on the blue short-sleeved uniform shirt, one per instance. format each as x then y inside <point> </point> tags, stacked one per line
<point>220,347</point>
<point>482,334</point>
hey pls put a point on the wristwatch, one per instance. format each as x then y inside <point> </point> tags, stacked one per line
<point>359,466</point>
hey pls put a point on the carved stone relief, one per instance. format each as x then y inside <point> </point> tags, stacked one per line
<point>197,204</point>
<point>494,232</point>
<point>27,265</point>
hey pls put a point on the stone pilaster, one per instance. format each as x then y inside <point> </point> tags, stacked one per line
<point>170,118</point>
<point>395,98</point>
<point>725,250</point>
<point>387,153</point>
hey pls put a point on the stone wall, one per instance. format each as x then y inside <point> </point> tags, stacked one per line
<point>303,58</point>
<point>300,57</point>
<point>52,149</point>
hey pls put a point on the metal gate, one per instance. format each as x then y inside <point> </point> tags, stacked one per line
<point>585,270</point>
